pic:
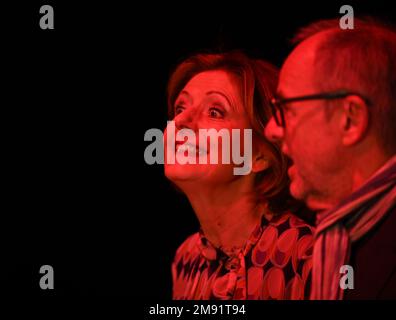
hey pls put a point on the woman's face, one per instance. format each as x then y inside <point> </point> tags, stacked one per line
<point>210,100</point>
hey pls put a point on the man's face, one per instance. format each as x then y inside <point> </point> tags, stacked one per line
<point>310,136</point>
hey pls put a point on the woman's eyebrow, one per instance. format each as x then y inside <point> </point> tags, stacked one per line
<point>222,94</point>
<point>185,93</point>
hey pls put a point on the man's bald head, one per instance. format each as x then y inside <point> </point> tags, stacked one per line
<point>299,72</point>
<point>361,60</point>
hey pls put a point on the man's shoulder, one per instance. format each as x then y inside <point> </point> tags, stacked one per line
<point>374,261</point>
<point>382,236</point>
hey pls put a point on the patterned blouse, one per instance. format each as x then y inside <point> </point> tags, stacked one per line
<point>274,264</point>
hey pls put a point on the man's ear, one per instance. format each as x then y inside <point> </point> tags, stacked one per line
<point>355,120</point>
<point>260,162</point>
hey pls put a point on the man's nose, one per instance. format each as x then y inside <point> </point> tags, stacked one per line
<point>273,132</point>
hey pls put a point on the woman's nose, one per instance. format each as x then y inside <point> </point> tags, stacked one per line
<point>185,119</point>
<point>273,132</point>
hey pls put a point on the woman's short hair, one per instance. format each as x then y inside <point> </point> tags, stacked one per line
<point>258,85</point>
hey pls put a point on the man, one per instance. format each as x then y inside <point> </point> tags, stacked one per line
<point>335,116</point>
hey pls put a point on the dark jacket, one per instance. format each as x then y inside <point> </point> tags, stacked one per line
<point>373,259</point>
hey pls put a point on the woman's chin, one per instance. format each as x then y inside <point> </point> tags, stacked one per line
<point>181,173</point>
<point>199,175</point>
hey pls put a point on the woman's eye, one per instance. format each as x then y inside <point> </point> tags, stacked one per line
<point>178,110</point>
<point>216,113</point>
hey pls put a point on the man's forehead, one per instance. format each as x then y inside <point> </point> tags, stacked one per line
<point>298,72</point>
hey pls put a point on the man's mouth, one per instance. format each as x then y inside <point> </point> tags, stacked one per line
<point>291,171</point>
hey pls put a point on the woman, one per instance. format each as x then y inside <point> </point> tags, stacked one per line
<point>249,246</point>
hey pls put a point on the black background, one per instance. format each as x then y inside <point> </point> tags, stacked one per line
<point>76,103</point>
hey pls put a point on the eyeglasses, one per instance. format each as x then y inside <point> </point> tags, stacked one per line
<point>277,109</point>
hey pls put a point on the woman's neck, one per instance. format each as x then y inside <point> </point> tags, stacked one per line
<point>227,216</point>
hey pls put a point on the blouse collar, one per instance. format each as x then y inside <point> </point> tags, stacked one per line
<point>212,253</point>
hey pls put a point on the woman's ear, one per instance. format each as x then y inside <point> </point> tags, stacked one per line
<point>260,163</point>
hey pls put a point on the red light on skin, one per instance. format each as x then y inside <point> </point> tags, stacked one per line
<point>183,147</point>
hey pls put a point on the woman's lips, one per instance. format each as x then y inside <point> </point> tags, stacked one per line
<point>190,148</point>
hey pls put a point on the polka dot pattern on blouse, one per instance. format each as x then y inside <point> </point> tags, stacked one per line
<point>275,264</point>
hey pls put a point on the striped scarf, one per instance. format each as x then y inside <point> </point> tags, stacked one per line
<point>338,228</point>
